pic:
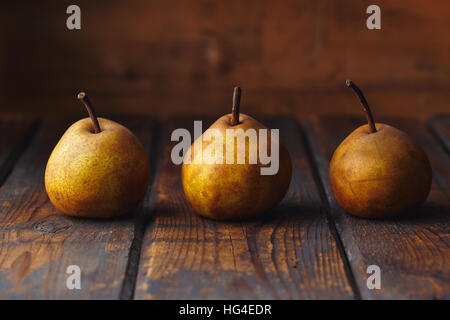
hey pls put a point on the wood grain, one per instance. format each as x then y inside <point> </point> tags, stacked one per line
<point>16,132</point>
<point>413,252</point>
<point>418,102</point>
<point>440,127</point>
<point>38,243</point>
<point>289,254</point>
<point>168,51</point>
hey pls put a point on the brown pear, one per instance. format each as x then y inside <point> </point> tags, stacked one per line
<point>99,169</point>
<point>379,171</point>
<point>238,190</point>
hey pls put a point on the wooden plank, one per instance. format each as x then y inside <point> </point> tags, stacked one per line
<point>186,46</point>
<point>440,127</point>
<point>298,102</point>
<point>16,132</point>
<point>38,243</point>
<point>290,255</point>
<point>413,252</point>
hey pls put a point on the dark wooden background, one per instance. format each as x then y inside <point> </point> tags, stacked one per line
<point>168,57</point>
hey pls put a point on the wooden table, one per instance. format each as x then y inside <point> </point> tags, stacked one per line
<point>309,248</point>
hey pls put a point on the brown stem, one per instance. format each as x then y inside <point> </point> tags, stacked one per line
<point>87,103</point>
<point>236,105</point>
<point>362,99</point>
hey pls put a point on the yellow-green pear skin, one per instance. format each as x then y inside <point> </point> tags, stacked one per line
<point>97,175</point>
<point>379,174</point>
<point>234,191</point>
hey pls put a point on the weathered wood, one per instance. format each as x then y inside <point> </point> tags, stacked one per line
<point>38,243</point>
<point>440,126</point>
<point>291,254</point>
<point>16,132</point>
<point>182,46</point>
<point>413,252</point>
<point>296,102</point>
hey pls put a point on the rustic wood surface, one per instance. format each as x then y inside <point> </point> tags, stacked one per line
<point>307,248</point>
<point>15,134</point>
<point>296,56</point>
<point>413,252</point>
<point>166,58</point>
<point>440,127</point>
<point>291,254</point>
<point>38,243</point>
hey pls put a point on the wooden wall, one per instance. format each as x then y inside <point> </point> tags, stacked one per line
<point>167,56</point>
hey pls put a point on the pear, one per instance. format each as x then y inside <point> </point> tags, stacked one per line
<point>99,168</point>
<point>220,190</point>
<point>378,171</point>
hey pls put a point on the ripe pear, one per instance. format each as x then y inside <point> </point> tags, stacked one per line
<point>378,171</point>
<point>230,191</point>
<point>99,169</point>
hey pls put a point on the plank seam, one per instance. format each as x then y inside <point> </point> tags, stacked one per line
<point>437,134</point>
<point>18,151</point>
<point>313,161</point>
<point>143,219</point>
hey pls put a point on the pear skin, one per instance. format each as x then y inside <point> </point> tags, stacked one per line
<point>234,191</point>
<point>97,175</point>
<point>378,171</point>
<point>379,174</point>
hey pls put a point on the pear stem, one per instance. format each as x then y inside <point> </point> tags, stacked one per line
<point>236,104</point>
<point>362,99</point>
<point>90,109</point>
